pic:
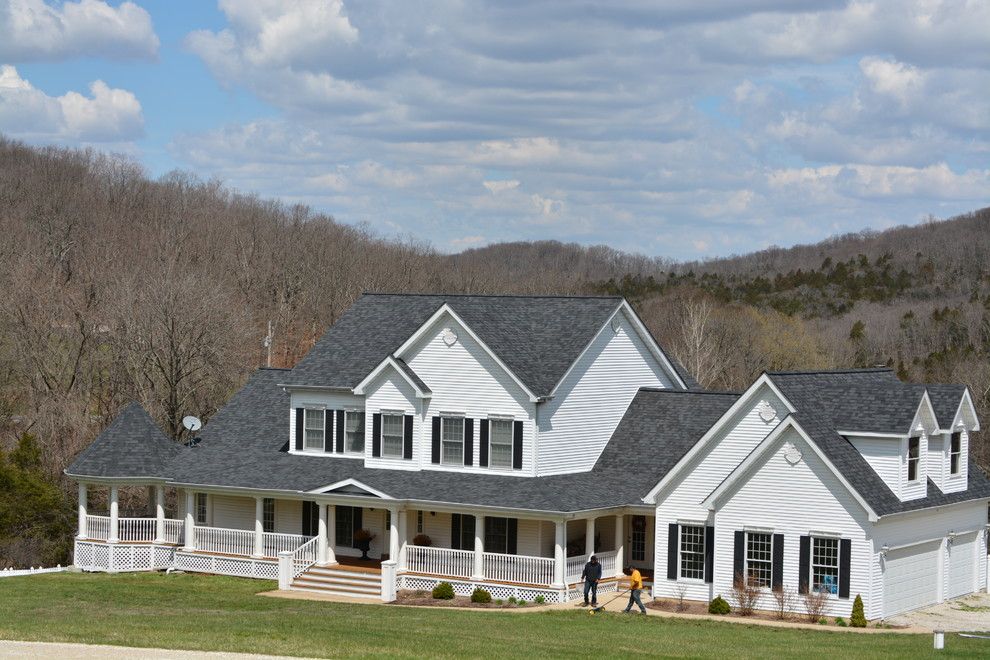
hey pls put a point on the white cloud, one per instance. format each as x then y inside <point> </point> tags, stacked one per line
<point>106,115</point>
<point>34,30</point>
<point>496,187</point>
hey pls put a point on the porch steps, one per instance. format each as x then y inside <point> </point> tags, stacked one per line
<point>340,581</point>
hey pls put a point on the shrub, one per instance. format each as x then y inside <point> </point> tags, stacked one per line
<point>681,593</point>
<point>858,618</point>
<point>422,539</point>
<point>500,602</point>
<point>520,602</point>
<point>479,595</point>
<point>540,600</point>
<point>443,591</point>
<point>784,600</point>
<point>512,600</point>
<point>823,621</point>
<point>719,606</point>
<point>839,621</point>
<point>746,594</point>
<point>815,603</point>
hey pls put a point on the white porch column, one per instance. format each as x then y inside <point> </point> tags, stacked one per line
<point>393,534</point>
<point>259,527</point>
<point>589,537</point>
<point>479,548</point>
<point>620,537</point>
<point>321,537</point>
<point>159,514</point>
<point>331,533</point>
<point>114,516</point>
<point>190,524</point>
<point>559,553</point>
<point>403,540</point>
<point>83,503</point>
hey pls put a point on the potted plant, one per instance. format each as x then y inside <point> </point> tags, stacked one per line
<point>362,541</point>
<point>423,540</point>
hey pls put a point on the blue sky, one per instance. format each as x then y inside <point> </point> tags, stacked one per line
<point>679,129</point>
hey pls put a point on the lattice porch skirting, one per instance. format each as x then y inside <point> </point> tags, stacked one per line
<point>121,558</point>
<point>498,591</point>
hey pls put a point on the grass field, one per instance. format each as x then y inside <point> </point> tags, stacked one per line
<point>216,613</point>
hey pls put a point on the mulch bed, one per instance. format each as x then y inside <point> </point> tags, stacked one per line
<point>425,599</point>
<point>696,607</point>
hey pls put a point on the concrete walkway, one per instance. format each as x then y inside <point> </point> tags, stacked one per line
<point>98,651</point>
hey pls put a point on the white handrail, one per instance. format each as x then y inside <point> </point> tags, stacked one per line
<point>98,527</point>
<point>136,529</point>
<point>173,531</point>
<point>304,557</point>
<point>224,541</point>
<point>445,562</point>
<point>575,565</point>
<point>523,569</point>
<point>275,543</point>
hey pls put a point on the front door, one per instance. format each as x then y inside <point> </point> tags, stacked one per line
<point>637,550</point>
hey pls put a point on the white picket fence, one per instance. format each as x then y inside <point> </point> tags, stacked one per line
<point>14,572</point>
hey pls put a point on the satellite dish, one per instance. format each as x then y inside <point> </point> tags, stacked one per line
<point>192,423</point>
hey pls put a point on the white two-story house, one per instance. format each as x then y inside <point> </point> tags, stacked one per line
<point>500,440</point>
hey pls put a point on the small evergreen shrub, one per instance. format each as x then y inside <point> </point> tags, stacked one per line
<point>520,602</point>
<point>839,621</point>
<point>719,606</point>
<point>540,600</point>
<point>858,618</point>
<point>823,621</point>
<point>443,591</point>
<point>480,595</point>
<point>512,600</point>
<point>500,602</point>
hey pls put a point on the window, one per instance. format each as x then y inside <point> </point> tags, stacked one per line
<point>759,559</point>
<point>392,426</point>
<point>419,522</point>
<point>914,457</point>
<point>693,552</point>
<point>955,453</point>
<point>825,565</point>
<point>315,426</point>
<point>500,441</point>
<point>452,434</point>
<point>310,518</point>
<point>461,531</point>
<point>268,514</point>
<point>354,432</point>
<point>200,508</point>
<point>347,520</point>
<point>497,535</point>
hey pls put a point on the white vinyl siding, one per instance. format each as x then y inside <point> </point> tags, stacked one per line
<point>331,402</point>
<point>314,430</point>
<point>577,423</point>
<point>884,456</point>
<point>392,429</point>
<point>912,489</point>
<point>390,394</point>
<point>232,512</point>
<point>954,483</point>
<point>500,443</point>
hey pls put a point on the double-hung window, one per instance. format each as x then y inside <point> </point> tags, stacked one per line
<point>392,426</point>
<point>500,441</point>
<point>759,559</point>
<point>913,457</point>
<point>452,436</point>
<point>692,559</point>
<point>419,522</point>
<point>354,432</point>
<point>825,565</point>
<point>497,535</point>
<point>315,426</point>
<point>955,453</point>
<point>201,508</point>
<point>268,514</point>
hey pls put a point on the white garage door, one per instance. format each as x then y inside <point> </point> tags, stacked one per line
<point>962,565</point>
<point>911,577</point>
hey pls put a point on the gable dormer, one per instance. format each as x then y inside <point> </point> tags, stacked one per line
<point>948,447</point>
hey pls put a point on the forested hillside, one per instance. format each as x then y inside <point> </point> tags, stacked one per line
<point>119,287</point>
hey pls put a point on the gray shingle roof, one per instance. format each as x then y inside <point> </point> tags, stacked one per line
<point>945,400</point>
<point>132,446</point>
<point>865,400</point>
<point>537,337</point>
<point>244,445</point>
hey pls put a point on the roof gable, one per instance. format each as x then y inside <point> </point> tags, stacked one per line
<point>132,446</point>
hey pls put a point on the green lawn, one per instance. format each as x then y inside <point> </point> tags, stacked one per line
<point>216,613</point>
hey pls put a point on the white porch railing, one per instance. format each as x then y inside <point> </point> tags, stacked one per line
<point>98,527</point>
<point>173,531</point>
<point>522,569</point>
<point>136,529</point>
<point>275,543</point>
<point>224,541</point>
<point>439,561</point>
<point>303,557</point>
<point>575,565</point>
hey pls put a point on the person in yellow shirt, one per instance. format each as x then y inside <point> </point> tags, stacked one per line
<point>635,589</point>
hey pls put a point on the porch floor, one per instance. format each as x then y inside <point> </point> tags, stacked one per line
<point>359,565</point>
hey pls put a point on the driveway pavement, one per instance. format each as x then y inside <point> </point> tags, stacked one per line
<point>967,614</point>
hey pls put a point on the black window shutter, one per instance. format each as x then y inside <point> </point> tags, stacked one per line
<point>468,441</point>
<point>358,523</point>
<point>845,558</point>
<point>483,443</point>
<point>777,568</point>
<point>300,417</point>
<point>340,431</point>
<point>328,430</point>
<point>455,530</point>
<point>709,554</point>
<point>804,564</point>
<point>307,520</point>
<point>511,535</point>
<point>738,556</point>
<point>376,435</point>
<point>517,445</point>
<point>435,458</point>
<point>468,524</point>
<point>407,438</point>
<point>672,551</point>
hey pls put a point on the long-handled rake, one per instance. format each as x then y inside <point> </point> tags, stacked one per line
<point>601,608</point>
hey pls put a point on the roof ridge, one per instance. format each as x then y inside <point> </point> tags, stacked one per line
<point>811,372</point>
<point>274,369</point>
<point>671,390</point>
<point>490,295</point>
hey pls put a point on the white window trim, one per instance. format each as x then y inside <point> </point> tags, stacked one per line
<point>761,532</point>
<point>306,410</point>
<point>908,459</point>
<point>443,441</point>
<point>838,561</point>
<point>952,453</point>
<point>402,433</point>
<point>206,509</point>
<point>680,551</point>
<point>347,450</point>
<point>512,442</point>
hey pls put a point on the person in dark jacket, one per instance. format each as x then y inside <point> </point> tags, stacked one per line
<point>591,574</point>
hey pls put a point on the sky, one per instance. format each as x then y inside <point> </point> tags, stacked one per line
<point>682,129</point>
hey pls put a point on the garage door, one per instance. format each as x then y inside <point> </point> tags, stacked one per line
<point>962,565</point>
<point>911,577</point>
